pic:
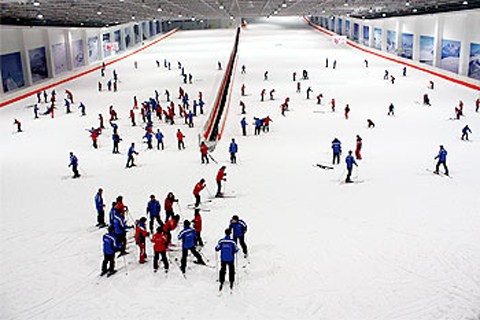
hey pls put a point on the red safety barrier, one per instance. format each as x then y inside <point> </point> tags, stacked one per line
<point>437,74</point>
<point>30,93</point>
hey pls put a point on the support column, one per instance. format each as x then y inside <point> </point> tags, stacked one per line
<point>384,36</point>
<point>370,39</point>
<point>416,41</point>
<point>399,30</point>
<point>68,45</point>
<point>437,42</point>
<point>49,53</point>
<point>85,47</point>
<point>465,46</point>
<point>27,73</point>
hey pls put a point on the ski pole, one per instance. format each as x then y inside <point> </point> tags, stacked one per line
<point>208,190</point>
<point>125,263</point>
<point>179,208</point>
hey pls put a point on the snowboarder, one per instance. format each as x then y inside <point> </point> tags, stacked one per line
<point>370,123</point>
<point>160,243</point>
<point>347,110</point>
<point>74,165</point>
<point>196,191</point>
<point>197,226</point>
<point>169,200</point>
<point>180,138</point>
<point>18,124</point>
<point>243,124</point>
<point>465,132</point>
<point>116,141</point>
<point>187,235</point>
<point>442,160</point>
<point>391,108</point>
<point>141,234</point>
<point>337,150</point>
<point>228,249</point>
<point>159,137</point>
<point>110,246</point>
<point>233,149</point>
<point>131,152</point>
<point>153,211</point>
<point>239,228</point>
<point>204,152</point>
<point>358,148</point>
<point>309,90</point>
<point>220,177</point>
<point>100,206</point>
<point>350,161</point>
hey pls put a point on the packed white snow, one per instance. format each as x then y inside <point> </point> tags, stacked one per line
<point>404,244</point>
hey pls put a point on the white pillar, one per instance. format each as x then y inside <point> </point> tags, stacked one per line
<point>360,32</point>
<point>85,47</point>
<point>370,39</point>
<point>384,36</point>
<point>68,45</point>
<point>49,54</point>
<point>27,72</point>
<point>416,41</point>
<point>465,46</point>
<point>437,42</point>
<point>399,30</point>
<point>100,41</point>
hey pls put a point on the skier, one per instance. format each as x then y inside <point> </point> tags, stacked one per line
<point>159,137</point>
<point>347,110</point>
<point>169,200</point>
<point>187,235</point>
<point>442,160</point>
<point>100,118</point>
<point>243,124</point>
<point>265,76</point>
<point>239,228</point>
<point>385,76</point>
<point>220,177</point>
<point>271,94</point>
<point>160,243</point>
<point>45,96</point>
<point>404,72</point>
<point>244,70</point>
<point>465,132</point>
<point>201,104</point>
<point>74,165</point>
<point>197,226</point>
<point>171,225</point>
<point>115,86</point>
<point>67,106</point>
<point>294,76</point>
<point>243,89</point>
<point>180,138</point>
<point>326,62</point>
<point>319,98</point>
<point>135,102</point>
<point>153,211</point>
<point>392,79</point>
<point>426,100</point>
<point>366,63</point>
<point>116,140</point>
<point>109,85</point>
<point>190,118</point>
<point>358,148</point>
<point>219,64</point>
<point>121,232</point>
<point>110,246</point>
<point>242,104</point>
<point>35,110</point>
<point>283,108</point>
<point>190,78</point>
<point>332,102</point>
<point>135,64</point>
<point>81,107</point>
<point>18,124</point>
<point>39,97</point>
<point>132,118</point>
<point>305,75</point>
<point>262,95</point>
<point>99,86</point>
<point>197,189</point>
<point>113,113</point>
<point>370,123</point>
<point>337,150</point>
<point>258,125</point>
<point>141,234</point>
<point>94,135</point>
<point>430,85</point>
<point>391,108</point>
<point>266,124</point>
<point>228,249</point>
<point>477,104</point>
<point>299,87</point>
<point>131,152</point>
<point>149,137</point>
<point>167,94</point>
<point>100,209</point>
<point>309,90</point>
<point>204,152</point>
<point>350,160</point>
<point>233,149</point>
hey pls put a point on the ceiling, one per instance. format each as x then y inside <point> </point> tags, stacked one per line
<point>110,12</point>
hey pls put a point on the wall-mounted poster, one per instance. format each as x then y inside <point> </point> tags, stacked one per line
<point>356,28</point>
<point>450,55</point>
<point>377,38</point>
<point>12,71</point>
<point>332,24</point>
<point>106,39</point>
<point>38,64</point>
<point>144,30</point>
<point>391,41</point>
<point>128,37</point>
<point>77,52</point>
<point>158,27</point>
<point>340,22</point>
<point>117,38</point>
<point>93,52</point>
<point>136,31</point>
<point>152,32</point>
<point>407,45</point>
<point>347,28</point>
<point>59,52</point>
<point>366,35</point>
<point>474,63</point>
<point>426,50</point>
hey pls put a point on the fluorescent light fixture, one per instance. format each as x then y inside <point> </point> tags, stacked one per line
<point>36,3</point>
<point>346,4</point>
<point>384,14</point>
<point>275,12</point>
<point>414,10</point>
<point>99,12</point>
<point>284,5</point>
<point>407,3</point>
<point>159,9</point>
<point>39,16</point>
<point>465,2</point>
<point>133,17</point>
<point>221,7</point>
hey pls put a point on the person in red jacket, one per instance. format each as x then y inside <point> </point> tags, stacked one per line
<point>242,105</point>
<point>132,117</point>
<point>197,189</point>
<point>160,243</point>
<point>169,200</point>
<point>204,152</point>
<point>197,226</point>
<point>18,124</point>
<point>477,105</point>
<point>171,225</point>
<point>69,95</point>
<point>180,137</point>
<point>333,105</point>
<point>141,234</point>
<point>220,177</point>
<point>262,95</point>
<point>358,148</point>
<point>243,90</point>
<point>120,207</point>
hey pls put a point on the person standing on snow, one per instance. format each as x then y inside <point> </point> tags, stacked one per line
<point>140,236</point>
<point>197,189</point>
<point>228,249</point>
<point>337,150</point>
<point>187,235</point>
<point>160,243</point>
<point>358,148</point>
<point>110,246</point>
<point>100,206</point>
<point>442,160</point>
<point>74,165</point>
<point>350,161</point>
<point>153,210</point>
<point>131,152</point>
<point>220,177</point>
<point>204,152</point>
<point>465,132</point>
<point>239,228</point>
<point>169,200</point>
<point>233,149</point>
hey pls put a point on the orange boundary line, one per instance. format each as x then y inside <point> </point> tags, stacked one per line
<point>352,44</point>
<point>30,93</point>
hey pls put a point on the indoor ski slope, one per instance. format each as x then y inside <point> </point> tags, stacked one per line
<point>404,244</point>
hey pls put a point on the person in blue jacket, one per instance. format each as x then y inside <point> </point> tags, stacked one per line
<point>350,160</point>
<point>116,141</point>
<point>153,210</point>
<point>159,137</point>
<point>120,230</point>
<point>228,249</point>
<point>82,108</point>
<point>201,104</point>
<point>258,125</point>
<point>243,123</point>
<point>148,136</point>
<point>465,132</point>
<point>74,165</point>
<point>337,150</point>
<point>99,205</point>
<point>67,106</point>
<point>131,152</point>
<point>35,110</point>
<point>188,236</point>
<point>111,215</point>
<point>239,228</point>
<point>110,246</point>
<point>233,149</point>
<point>442,160</point>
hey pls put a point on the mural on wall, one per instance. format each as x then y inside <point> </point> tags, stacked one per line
<point>77,52</point>
<point>347,28</point>
<point>152,32</point>
<point>59,52</point>
<point>144,30</point>
<point>93,53</point>
<point>355,31</point>
<point>391,41</point>
<point>38,64</point>
<point>117,38</point>
<point>332,24</point>
<point>136,31</point>
<point>450,55</point>
<point>407,45</point>
<point>377,38</point>
<point>12,71</point>
<point>366,35</point>
<point>106,39</point>
<point>128,37</point>
<point>426,50</point>
<point>474,63</point>
<point>340,21</point>
<point>158,27</point>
